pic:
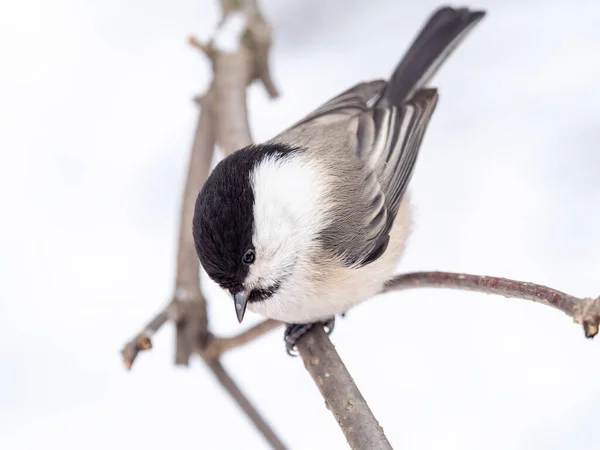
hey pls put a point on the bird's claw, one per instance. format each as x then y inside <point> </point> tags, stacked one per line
<point>295,331</point>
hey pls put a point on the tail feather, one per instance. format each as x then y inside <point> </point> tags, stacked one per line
<point>442,33</point>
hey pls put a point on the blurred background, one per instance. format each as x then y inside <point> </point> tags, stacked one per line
<point>96,124</point>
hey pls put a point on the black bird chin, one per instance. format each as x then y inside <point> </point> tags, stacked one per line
<point>261,294</point>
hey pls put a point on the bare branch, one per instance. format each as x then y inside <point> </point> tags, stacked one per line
<point>232,388</point>
<point>236,66</point>
<point>258,37</point>
<point>207,49</point>
<point>232,73</point>
<point>192,325</point>
<point>261,36</point>
<point>341,395</point>
<point>143,341</point>
<point>217,346</point>
<point>188,308</point>
<point>584,311</point>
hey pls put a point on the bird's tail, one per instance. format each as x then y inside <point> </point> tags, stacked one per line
<point>445,29</point>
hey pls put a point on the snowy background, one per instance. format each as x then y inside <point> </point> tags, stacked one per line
<point>96,123</point>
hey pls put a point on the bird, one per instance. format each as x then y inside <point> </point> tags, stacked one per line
<point>310,223</point>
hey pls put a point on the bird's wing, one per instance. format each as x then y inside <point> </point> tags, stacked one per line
<point>388,141</point>
<point>354,101</point>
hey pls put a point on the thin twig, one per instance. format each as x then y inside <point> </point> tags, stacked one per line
<point>232,388</point>
<point>584,311</point>
<point>143,341</point>
<point>342,396</point>
<point>217,346</point>
<point>206,49</point>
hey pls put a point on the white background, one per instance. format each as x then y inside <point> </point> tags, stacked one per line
<point>96,122</point>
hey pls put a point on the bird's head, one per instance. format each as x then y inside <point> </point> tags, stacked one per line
<point>255,222</point>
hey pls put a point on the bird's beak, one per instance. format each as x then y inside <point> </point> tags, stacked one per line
<point>240,299</point>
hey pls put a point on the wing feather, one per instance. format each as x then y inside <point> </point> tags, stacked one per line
<point>352,102</point>
<point>391,155</point>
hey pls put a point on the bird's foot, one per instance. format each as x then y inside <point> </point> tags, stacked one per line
<point>295,331</point>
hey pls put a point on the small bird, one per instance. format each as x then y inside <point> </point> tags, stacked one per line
<point>312,222</point>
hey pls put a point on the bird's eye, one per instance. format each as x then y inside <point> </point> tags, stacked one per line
<point>248,257</point>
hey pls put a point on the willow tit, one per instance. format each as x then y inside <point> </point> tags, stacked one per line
<point>312,222</point>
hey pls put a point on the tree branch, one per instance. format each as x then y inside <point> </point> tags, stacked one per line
<point>260,39</point>
<point>241,47</point>
<point>234,55</point>
<point>338,389</point>
<point>188,307</point>
<point>217,346</point>
<point>143,341</point>
<point>341,394</point>
<point>192,323</point>
<point>204,48</point>
<point>584,311</point>
<point>232,388</point>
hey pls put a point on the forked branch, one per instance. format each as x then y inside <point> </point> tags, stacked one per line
<point>238,53</point>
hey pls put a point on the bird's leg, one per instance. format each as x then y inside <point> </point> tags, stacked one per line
<point>294,331</point>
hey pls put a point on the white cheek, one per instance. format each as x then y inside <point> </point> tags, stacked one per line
<point>288,214</point>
